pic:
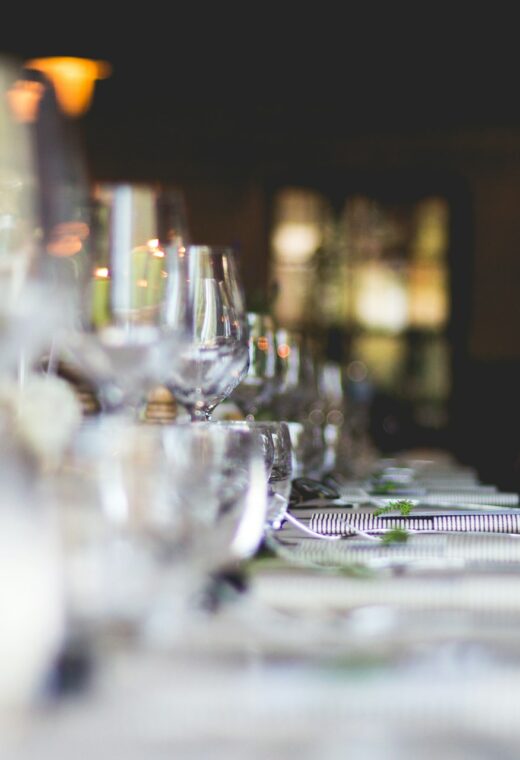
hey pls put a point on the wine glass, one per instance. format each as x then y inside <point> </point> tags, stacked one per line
<point>33,154</point>
<point>257,387</point>
<point>277,449</point>
<point>123,338</point>
<point>296,388</point>
<point>308,447</point>
<point>30,584</point>
<point>160,508</point>
<point>206,303</point>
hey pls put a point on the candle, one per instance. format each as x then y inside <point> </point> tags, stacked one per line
<point>139,260</point>
<point>121,245</point>
<point>155,273</point>
<point>100,296</point>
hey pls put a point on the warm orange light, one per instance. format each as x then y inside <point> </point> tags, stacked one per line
<point>262,343</point>
<point>101,273</point>
<point>67,238</point>
<point>153,245</point>
<point>73,80</point>
<point>24,98</point>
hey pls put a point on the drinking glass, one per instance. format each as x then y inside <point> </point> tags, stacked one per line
<point>279,484</point>
<point>31,600</point>
<point>258,386</point>
<point>123,339</point>
<point>206,302</point>
<point>334,413</point>
<point>308,448</point>
<point>40,180</point>
<point>148,513</point>
<point>263,433</point>
<point>296,380</point>
<point>276,446</point>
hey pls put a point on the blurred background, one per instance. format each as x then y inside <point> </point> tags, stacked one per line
<point>371,184</point>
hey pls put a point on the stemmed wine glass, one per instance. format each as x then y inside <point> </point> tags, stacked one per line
<point>33,189</point>
<point>206,303</point>
<point>258,386</point>
<point>159,509</point>
<point>33,184</point>
<point>123,338</point>
<point>296,390</point>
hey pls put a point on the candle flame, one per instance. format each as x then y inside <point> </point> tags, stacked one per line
<point>153,245</point>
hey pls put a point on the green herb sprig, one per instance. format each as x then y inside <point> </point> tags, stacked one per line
<point>395,536</point>
<point>403,506</point>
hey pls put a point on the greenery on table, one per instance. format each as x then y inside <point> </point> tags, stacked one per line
<point>396,536</point>
<point>403,506</point>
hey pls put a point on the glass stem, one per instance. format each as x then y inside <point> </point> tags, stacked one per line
<point>200,415</point>
<point>22,368</point>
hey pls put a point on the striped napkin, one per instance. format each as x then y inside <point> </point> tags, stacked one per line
<point>347,524</point>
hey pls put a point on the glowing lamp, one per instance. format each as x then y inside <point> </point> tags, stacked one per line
<point>73,80</point>
<point>299,226</point>
<point>381,299</point>
<point>24,98</point>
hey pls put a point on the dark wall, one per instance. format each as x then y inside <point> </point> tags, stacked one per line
<point>228,119</point>
<point>229,171</point>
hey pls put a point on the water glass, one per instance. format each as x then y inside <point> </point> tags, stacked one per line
<point>257,388</point>
<point>308,449</point>
<point>148,513</point>
<point>122,338</point>
<point>278,461</point>
<point>206,303</point>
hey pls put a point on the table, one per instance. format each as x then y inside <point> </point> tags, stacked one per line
<point>317,660</point>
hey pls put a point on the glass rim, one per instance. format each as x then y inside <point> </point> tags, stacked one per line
<point>264,423</point>
<point>200,425</point>
<point>209,249</point>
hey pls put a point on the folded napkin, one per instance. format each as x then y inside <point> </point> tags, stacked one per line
<point>347,524</point>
